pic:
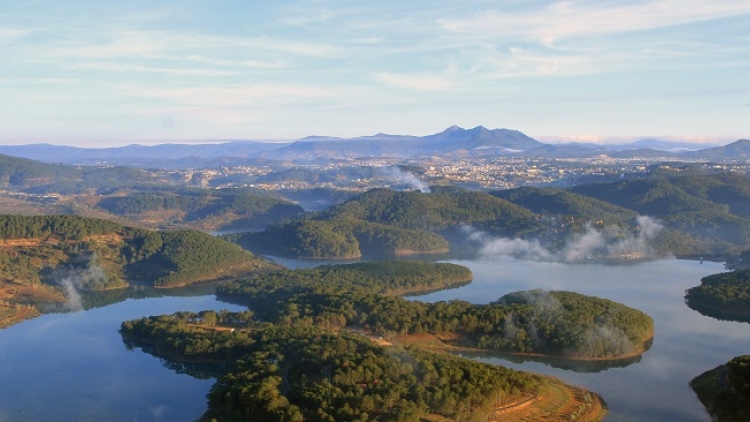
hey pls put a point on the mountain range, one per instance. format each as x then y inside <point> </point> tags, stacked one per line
<point>451,143</point>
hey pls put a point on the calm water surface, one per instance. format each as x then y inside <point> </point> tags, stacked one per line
<point>74,366</point>
<point>686,343</point>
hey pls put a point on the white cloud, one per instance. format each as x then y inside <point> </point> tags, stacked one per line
<point>330,62</point>
<point>254,64</point>
<point>230,96</point>
<point>39,81</point>
<point>418,82</point>
<point>157,44</point>
<point>519,62</point>
<point>129,68</point>
<point>368,41</point>
<point>9,34</point>
<point>570,19</point>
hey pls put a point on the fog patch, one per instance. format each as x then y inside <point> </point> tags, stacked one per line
<point>599,337</point>
<point>518,248</point>
<point>72,280</point>
<point>158,412</point>
<point>611,242</point>
<point>398,176</point>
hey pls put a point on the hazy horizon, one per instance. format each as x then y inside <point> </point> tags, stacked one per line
<point>555,140</point>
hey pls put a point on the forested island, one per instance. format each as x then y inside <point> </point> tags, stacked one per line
<point>44,258</point>
<point>339,343</point>
<point>723,296</point>
<point>725,390</point>
<point>296,373</point>
<point>366,297</point>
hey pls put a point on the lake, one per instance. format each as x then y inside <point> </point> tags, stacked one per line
<point>75,367</point>
<point>685,345</point>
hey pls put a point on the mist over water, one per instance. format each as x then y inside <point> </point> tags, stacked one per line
<point>70,367</point>
<point>653,387</point>
<point>73,279</point>
<point>399,176</point>
<point>611,242</point>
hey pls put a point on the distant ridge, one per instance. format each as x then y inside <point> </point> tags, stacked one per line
<point>736,150</point>
<point>126,155</point>
<point>452,142</point>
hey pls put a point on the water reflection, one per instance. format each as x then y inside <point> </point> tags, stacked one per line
<point>717,314</point>
<point>73,366</point>
<point>100,299</point>
<point>575,365</point>
<point>685,345</point>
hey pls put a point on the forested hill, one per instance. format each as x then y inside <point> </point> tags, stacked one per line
<point>441,208</point>
<point>309,347</point>
<point>723,296</point>
<point>299,373</point>
<point>39,255</point>
<point>209,209</point>
<point>363,297</point>
<point>386,222</point>
<point>725,390</point>
<point>138,197</point>
<point>38,177</point>
<point>17,171</point>
<point>714,210</point>
<point>558,201</point>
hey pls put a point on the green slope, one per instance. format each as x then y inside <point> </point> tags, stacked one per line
<point>37,252</point>
<point>708,213</point>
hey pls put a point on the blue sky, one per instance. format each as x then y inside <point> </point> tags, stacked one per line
<point>95,73</point>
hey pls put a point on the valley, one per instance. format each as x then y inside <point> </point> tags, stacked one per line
<point>83,239</point>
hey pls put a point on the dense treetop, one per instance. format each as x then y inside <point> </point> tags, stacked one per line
<point>557,201</point>
<point>339,239</point>
<point>724,295</point>
<point>702,215</point>
<point>725,390</point>
<point>389,277</point>
<point>709,208</point>
<point>551,323</point>
<point>301,363</point>
<point>300,373</point>
<point>38,177</point>
<point>227,206</point>
<point>45,248</point>
<point>66,227</point>
<point>386,222</point>
<point>441,208</point>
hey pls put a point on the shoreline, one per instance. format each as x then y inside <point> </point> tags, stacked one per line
<point>718,313</point>
<point>445,346</point>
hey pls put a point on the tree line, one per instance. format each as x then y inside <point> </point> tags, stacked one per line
<point>297,373</point>
<point>66,246</point>
<point>723,295</point>
<point>725,390</point>
<point>552,323</point>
